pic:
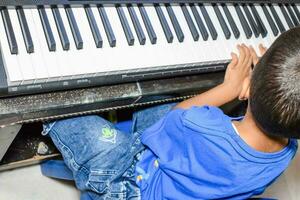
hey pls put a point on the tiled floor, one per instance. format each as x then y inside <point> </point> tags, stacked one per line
<point>28,184</point>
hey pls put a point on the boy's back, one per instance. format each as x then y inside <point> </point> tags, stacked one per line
<point>197,154</point>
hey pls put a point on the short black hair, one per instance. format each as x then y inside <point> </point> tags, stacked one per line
<point>275,87</point>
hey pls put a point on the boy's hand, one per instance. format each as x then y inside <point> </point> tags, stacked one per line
<point>255,57</point>
<point>238,69</point>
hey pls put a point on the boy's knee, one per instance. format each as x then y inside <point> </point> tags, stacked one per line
<point>73,125</point>
<point>84,138</point>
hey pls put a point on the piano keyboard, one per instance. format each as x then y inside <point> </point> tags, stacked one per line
<point>46,48</point>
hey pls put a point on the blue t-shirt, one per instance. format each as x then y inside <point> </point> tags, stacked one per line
<point>196,154</point>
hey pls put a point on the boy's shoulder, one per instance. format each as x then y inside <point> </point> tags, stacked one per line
<point>206,117</point>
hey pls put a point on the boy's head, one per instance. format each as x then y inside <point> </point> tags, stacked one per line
<point>275,87</point>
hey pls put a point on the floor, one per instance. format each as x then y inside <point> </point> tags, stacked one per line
<point>28,184</point>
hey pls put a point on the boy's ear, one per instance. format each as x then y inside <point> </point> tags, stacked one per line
<point>245,92</point>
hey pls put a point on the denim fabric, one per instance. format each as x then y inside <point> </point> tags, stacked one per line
<point>101,157</point>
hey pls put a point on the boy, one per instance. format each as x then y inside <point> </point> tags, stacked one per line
<point>195,151</point>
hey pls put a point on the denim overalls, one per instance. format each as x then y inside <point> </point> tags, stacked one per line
<point>101,157</point>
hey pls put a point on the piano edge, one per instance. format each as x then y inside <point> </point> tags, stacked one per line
<point>56,105</point>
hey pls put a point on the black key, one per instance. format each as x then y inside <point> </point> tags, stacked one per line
<point>222,21</point>
<point>47,29</point>
<point>61,28</point>
<point>125,25</point>
<point>231,21</point>
<point>94,27</point>
<point>148,25</point>
<point>243,21</point>
<point>175,23</point>
<point>251,20</point>
<point>74,28</point>
<point>286,16</point>
<point>137,25</point>
<point>199,22</point>
<point>108,29</point>
<point>9,31</point>
<point>209,23</point>
<point>277,19</point>
<point>296,11</point>
<point>164,23</point>
<point>261,27</point>
<point>292,14</point>
<point>270,20</point>
<point>190,22</point>
<point>25,30</point>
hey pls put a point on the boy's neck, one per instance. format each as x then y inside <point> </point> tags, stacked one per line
<point>257,139</point>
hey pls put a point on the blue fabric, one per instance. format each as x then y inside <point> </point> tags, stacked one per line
<point>125,126</point>
<point>101,157</point>
<point>196,154</point>
<point>56,169</point>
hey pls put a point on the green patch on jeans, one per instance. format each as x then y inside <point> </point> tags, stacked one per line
<point>108,134</point>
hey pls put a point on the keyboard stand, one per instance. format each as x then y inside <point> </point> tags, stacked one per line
<point>7,135</point>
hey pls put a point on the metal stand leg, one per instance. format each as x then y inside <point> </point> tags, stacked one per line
<point>7,135</point>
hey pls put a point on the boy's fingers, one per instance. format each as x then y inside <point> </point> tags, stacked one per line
<point>234,60</point>
<point>250,61</point>
<point>254,55</point>
<point>262,49</point>
<point>247,56</point>
<point>253,52</point>
<point>242,54</point>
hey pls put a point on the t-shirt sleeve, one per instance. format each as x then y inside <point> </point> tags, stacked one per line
<point>174,117</point>
<point>206,118</point>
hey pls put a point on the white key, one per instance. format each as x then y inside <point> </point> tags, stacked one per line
<point>190,50</point>
<point>222,42</point>
<point>154,56</point>
<point>198,54</point>
<point>210,48</point>
<point>105,52</point>
<point>254,41</point>
<point>11,64</point>
<point>293,12</point>
<point>149,48</point>
<point>175,47</point>
<point>23,57</point>
<point>80,63</point>
<point>233,41</point>
<point>270,36</point>
<point>141,53</point>
<point>163,50</point>
<point>37,58</point>
<point>119,59</point>
<point>282,19</point>
<point>260,39</point>
<point>39,40</point>
<point>64,66</point>
<point>242,38</point>
<point>134,51</point>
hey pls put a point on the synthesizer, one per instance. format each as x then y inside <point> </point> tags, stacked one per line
<point>65,44</point>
